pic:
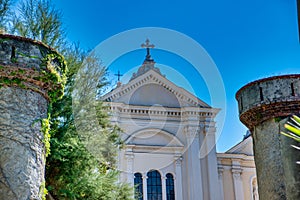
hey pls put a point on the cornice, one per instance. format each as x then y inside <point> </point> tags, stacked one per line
<point>125,109</point>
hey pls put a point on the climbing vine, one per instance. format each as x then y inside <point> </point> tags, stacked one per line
<point>45,123</point>
<point>48,81</point>
<point>43,191</point>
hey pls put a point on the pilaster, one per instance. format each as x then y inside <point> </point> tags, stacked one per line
<point>194,177</point>
<point>237,180</point>
<point>178,179</point>
<point>129,159</point>
<point>220,178</point>
<point>209,146</point>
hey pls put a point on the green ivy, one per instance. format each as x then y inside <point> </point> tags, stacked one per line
<point>45,123</point>
<point>14,60</point>
<point>43,191</point>
<point>50,75</point>
<point>54,74</point>
<point>27,56</point>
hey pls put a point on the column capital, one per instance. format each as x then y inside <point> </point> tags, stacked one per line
<point>129,153</point>
<point>236,174</point>
<point>191,132</point>
<point>208,128</point>
<point>220,172</point>
<point>178,159</point>
<point>129,156</point>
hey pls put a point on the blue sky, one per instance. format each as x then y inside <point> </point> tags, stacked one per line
<point>247,40</point>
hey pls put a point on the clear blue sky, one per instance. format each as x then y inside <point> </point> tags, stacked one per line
<point>247,40</point>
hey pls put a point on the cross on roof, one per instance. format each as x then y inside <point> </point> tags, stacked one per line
<point>118,75</point>
<point>147,45</point>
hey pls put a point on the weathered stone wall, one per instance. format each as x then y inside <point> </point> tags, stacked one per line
<point>264,107</point>
<point>22,157</point>
<point>21,53</point>
<point>31,75</point>
<point>277,172</point>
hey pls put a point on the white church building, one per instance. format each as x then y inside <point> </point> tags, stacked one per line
<point>169,136</point>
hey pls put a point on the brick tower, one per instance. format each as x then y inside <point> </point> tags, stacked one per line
<point>31,76</point>
<point>264,106</point>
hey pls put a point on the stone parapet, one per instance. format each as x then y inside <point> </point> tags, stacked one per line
<point>264,107</point>
<point>28,64</point>
<point>277,96</point>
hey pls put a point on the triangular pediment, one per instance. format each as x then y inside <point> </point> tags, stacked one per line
<point>244,147</point>
<point>152,88</point>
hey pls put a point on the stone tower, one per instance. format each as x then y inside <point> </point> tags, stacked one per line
<point>264,106</point>
<point>31,76</point>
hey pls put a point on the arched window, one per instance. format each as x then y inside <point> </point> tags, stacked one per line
<point>170,187</point>
<point>138,186</point>
<point>154,191</point>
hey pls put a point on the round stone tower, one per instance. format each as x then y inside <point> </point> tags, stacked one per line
<point>264,106</point>
<point>31,76</point>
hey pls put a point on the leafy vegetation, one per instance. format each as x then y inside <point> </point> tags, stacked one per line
<point>4,14</point>
<point>39,20</point>
<point>85,155</point>
<point>83,144</point>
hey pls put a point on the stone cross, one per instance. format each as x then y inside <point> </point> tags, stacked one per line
<point>118,75</point>
<point>147,45</point>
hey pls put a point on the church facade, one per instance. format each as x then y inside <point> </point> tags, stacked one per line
<point>169,139</point>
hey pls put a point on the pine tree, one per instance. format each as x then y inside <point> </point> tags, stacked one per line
<point>4,14</point>
<point>81,164</point>
<point>82,160</point>
<point>39,20</point>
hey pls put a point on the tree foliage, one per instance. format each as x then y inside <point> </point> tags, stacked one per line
<point>39,20</point>
<point>82,159</point>
<point>85,154</point>
<point>4,14</point>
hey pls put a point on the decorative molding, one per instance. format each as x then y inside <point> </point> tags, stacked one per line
<point>241,157</point>
<point>131,110</point>
<point>170,150</point>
